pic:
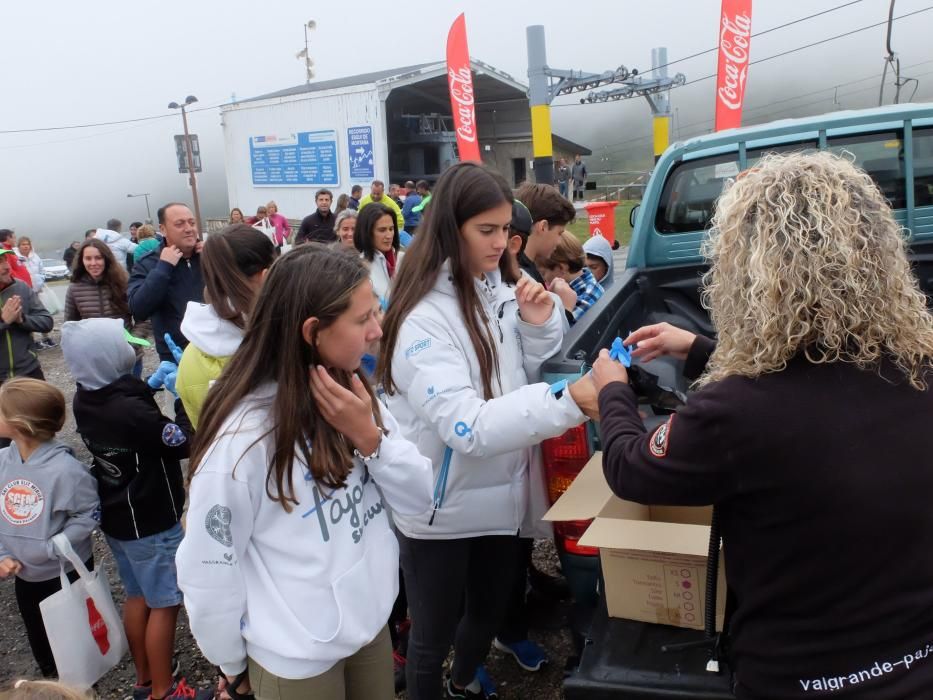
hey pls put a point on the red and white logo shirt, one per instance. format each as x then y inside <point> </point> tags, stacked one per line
<point>21,502</point>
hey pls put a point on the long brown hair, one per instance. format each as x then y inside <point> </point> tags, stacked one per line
<point>229,259</point>
<point>462,192</point>
<point>312,280</point>
<point>114,277</point>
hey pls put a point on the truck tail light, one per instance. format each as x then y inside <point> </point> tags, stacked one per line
<point>564,458</point>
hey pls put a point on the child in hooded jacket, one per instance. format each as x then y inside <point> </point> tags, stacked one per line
<point>137,452</point>
<point>44,491</point>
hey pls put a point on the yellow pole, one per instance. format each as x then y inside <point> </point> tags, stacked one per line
<point>662,134</point>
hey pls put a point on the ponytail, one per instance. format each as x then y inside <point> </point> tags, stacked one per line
<point>229,259</point>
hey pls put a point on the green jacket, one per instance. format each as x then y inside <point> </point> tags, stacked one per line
<point>212,341</point>
<point>387,201</point>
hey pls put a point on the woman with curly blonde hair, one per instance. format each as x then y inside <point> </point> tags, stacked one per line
<point>810,433</point>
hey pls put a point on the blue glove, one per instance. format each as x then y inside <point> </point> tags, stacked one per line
<point>620,353</point>
<point>170,380</point>
<point>164,376</point>
<point>173,348</point>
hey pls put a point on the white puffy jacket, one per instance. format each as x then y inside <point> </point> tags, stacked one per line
<point>439,405</point>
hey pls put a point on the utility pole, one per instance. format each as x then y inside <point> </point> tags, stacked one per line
<point>540,102</point>
<point>546,83</point>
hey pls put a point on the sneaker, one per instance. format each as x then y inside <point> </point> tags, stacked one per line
<point>182,691</point>
<point>526,653</point>
<point>454,693</point>
<point>142,692</point>
<point>486,687</point>
<point>48,343</point>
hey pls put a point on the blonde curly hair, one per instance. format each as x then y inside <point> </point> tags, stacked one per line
<point>807,257</point>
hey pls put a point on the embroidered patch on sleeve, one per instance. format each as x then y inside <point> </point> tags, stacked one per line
<point>659,441</point>
<point>172,435</point>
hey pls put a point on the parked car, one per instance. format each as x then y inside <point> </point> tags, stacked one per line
<point>55,269</point>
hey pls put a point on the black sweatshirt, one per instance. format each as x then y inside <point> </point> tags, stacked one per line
<point>823,482</point>
<point>137,453</point>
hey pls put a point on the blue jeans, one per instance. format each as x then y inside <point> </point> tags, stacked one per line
<point>147,567</point>
<point>562,186</point>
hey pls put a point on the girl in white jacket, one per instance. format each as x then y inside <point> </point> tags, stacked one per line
<point>377,238</point>
<point>289,567</point>
<point>461,341</point>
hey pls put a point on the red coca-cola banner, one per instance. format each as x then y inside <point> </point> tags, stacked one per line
<point>735,31</point>
<point>460,83</point>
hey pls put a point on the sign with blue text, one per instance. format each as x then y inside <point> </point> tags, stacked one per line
<point>360,145</point>
<point>305,159</point>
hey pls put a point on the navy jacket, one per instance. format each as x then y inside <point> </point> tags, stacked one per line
<point>159,291</point>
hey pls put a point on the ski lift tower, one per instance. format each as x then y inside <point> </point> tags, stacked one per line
<point>546,83</point>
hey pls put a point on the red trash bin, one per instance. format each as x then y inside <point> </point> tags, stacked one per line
<point>602,220</point>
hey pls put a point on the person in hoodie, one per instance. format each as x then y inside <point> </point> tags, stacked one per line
<point>377,238</point>
<point>30,258</point>
<point>137,452</point>
<point>21,315</point>
<point>289,565</point>
<point>44,491</point>
<point>234,263</point>
<point>599,259</point>
<point>162,285</point>
<point>460,347</point>
<point>119,244</point>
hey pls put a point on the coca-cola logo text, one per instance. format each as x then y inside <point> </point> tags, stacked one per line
<point>460,82</point>
<point>733,59</point>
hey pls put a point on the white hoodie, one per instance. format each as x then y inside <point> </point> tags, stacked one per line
<point>118,243</point>
<point>296,591</point>
<point>439,405</point>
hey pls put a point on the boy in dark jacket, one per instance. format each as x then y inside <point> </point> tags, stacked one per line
<point>137,453</point>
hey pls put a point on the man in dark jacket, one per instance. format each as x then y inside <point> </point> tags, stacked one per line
<point>162,285</point>
<point>319,226</point>
<point>21,315</point>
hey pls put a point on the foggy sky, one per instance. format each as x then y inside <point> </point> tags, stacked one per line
<point>69,63</point>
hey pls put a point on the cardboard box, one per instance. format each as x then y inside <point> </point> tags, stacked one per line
<point>653,557</point>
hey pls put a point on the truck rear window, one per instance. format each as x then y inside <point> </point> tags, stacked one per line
<point>689,197</point>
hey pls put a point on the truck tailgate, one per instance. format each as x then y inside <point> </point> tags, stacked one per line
<point>623,661</point>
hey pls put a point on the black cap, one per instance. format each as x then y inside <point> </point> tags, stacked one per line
<point>521,218</point>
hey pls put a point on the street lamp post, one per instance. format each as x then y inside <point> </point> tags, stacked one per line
<point>148,211</point>
<point>189,100</point>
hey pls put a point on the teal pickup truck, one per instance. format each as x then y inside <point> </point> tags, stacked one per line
<point>661,282</point>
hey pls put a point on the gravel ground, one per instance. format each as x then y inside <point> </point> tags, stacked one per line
<point>549,627</point>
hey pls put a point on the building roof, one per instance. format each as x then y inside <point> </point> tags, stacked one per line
<point>348,81</point>
<point>432,86</point>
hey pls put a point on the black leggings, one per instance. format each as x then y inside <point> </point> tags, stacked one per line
<point>28,596</point>
<point>457,593</point>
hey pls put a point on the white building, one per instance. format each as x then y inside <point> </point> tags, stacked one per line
<point>393,125</point>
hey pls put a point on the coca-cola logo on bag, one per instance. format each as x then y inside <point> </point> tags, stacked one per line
<point>733,46</point>
<point>460,82</point>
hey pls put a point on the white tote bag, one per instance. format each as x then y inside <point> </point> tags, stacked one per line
<point>267,227</point>
<point>82,623</point>
<point>50,300</point>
